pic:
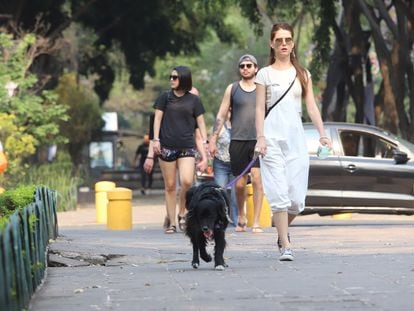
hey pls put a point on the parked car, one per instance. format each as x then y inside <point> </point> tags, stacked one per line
<point>369,170</point>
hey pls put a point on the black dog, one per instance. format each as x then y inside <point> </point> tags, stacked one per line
<point>207,219</point>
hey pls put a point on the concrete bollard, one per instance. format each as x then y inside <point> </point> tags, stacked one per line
<point>101,199</point>
<point>119,209</point>
<point>265,219</point>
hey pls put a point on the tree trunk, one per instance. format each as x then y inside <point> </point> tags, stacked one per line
<point>358,52</point>
<point>390,117</point>
<point>336,75</point>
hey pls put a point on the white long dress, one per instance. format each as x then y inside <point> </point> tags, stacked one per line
<point>285,167</point>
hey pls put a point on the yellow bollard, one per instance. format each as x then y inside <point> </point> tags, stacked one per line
<point>101,199</point>
<point>265,219</point>
<point>342,216</point>
<point>120,209</point>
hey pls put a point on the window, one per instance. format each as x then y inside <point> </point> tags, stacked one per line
<point>350,142</point>
<point>357,144</point>
<point>101,154</point>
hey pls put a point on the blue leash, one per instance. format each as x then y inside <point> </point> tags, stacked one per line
<point>230,184</point>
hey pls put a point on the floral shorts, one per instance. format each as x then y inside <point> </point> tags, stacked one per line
<point>170,155</point>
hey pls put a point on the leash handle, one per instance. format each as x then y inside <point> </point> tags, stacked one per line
<point>230,184</point>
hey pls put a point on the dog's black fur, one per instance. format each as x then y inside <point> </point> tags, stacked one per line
<point>207,219</point>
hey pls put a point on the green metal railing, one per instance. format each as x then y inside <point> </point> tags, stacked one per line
<point>23,249</point>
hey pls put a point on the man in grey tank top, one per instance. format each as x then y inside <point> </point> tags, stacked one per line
<point>240,97</point>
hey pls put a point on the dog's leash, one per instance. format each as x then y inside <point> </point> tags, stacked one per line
<point>256,155</point>
<point>248,167</point>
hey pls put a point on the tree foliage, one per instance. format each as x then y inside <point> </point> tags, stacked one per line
<point>28,118</point>
<point>143,30</point>
<point>84,114</point>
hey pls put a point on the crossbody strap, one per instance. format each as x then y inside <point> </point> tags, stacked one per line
<point>281,97</point>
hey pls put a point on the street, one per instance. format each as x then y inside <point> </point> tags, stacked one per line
<point>365,262</point>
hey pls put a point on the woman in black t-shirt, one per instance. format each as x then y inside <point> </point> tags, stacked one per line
<point>177,113</point>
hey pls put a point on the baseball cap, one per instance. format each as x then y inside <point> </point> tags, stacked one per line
<point>248,57</point>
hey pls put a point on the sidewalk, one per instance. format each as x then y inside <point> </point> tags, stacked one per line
<point>358,264</point>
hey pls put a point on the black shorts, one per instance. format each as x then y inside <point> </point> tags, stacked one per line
<point>170,154</point>
<point>241,153</point>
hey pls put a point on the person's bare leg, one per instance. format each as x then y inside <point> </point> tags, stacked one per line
<point>168,170</point>
<point>186,173</point>
<point>257,198</point>
<point>291,217</point>
<point>241,198</point>
<point>280,220</point>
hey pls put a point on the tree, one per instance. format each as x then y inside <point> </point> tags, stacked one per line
<point>84,114</point>
<point>387,27</point>
<point>28,117</point>
<point>394,52</point>
<point>144,30</point>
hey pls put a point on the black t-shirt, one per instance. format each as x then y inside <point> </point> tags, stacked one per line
<point>179,119</point>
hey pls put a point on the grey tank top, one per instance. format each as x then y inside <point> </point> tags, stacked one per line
<point>243,114</point>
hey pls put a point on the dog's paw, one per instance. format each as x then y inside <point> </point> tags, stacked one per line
<point>195,265</point>
<point>219,268</point>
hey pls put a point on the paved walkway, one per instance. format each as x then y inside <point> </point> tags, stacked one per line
<point>362,263</point>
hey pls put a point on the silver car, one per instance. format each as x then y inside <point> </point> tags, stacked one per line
<point>369,170</point>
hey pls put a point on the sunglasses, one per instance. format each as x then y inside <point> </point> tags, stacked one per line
<point>287,41</point>
<point>248,66</point>
<point>173,77</point>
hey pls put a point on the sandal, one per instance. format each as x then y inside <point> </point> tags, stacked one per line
<point>181,222</point>
<point>171,229</point>
<point>257,230</point>
<point>241,227</point>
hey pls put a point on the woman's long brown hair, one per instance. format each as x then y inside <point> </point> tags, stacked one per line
<point>301,72</point>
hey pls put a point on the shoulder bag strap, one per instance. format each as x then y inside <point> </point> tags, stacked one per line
<point>281,97</point>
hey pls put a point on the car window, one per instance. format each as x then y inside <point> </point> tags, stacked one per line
<point>358,144</point>
<point>312,140</point>
<point>384,149</point>
<point>350,143</point>
<point>401,141</point>
<point>406,143</point>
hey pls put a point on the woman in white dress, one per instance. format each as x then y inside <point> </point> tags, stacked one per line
<point>280,137</point>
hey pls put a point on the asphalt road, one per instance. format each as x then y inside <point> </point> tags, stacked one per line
<point>363,262</point>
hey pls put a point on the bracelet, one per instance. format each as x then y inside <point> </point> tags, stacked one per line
<point>151,158</point>
<point>155,139</point>
<point>323,137</point>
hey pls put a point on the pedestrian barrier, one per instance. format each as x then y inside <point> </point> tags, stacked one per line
<point>120,209</point>
<point>265,219</point>
<point>23,247</point>
<point>101,200</point>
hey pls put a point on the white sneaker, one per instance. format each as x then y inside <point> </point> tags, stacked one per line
<point>286,255</point>
<point>279,243</point>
